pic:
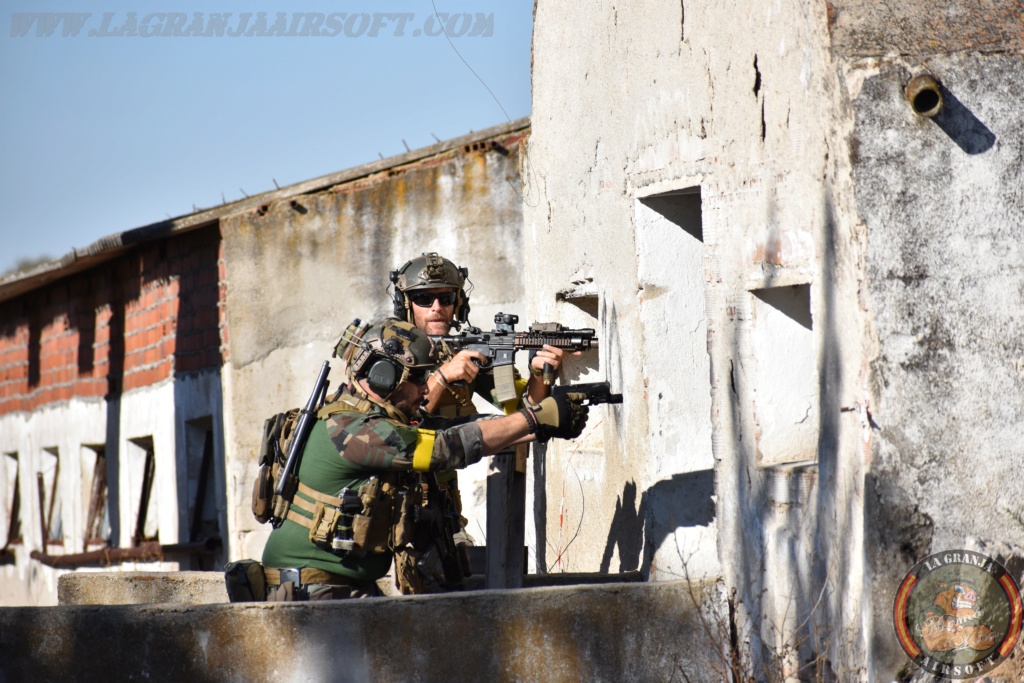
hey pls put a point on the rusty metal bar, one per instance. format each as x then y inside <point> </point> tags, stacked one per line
<point>147,551</point>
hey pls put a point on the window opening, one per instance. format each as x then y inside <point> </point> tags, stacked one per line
<point>203,518</point>
<point>786,393</point>
<point>97,518</point>
<point>143,472</point>
<point>50,499</point>
<point>12,500</point>
<point>677,495</point>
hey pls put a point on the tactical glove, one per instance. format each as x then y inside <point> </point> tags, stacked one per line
<point>560,417</point>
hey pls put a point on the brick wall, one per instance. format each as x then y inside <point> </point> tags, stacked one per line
<point>125,324</point>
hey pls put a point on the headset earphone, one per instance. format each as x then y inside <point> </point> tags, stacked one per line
<point>382,372</point>
<point>385,374</point>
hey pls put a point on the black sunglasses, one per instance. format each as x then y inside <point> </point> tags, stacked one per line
<point>426,299</point>
<point>418,376</point>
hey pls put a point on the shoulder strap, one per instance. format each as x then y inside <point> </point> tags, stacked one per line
<point>345,403</point>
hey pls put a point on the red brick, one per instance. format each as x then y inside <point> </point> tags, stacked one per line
<point>168,346</point>
<point>151,355</point>
<point>207,318</point>
<point>211,338</point>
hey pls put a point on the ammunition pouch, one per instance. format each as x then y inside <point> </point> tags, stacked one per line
<point>354,523</point>
<point>427,557</point>
<point>245,581</point>
<point>409,502</point>
<point>263,492</point>
<point>418,572</point>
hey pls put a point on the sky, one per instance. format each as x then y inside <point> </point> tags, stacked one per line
<point>114,115</point>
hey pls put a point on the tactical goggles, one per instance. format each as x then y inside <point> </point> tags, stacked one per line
<point>426,299</point>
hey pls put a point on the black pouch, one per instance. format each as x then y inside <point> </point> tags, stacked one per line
<point>245,581</point>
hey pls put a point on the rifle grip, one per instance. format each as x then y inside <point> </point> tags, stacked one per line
<point>549,375</point>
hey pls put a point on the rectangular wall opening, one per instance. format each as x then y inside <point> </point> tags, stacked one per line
<point>786,385</point>
<point>94,495</point>
<point>671,301</point>
<point>141,474</point>
<point>676,372</point>
<point>203,517</point>
<point>11,527</point>
<point>50,498</point>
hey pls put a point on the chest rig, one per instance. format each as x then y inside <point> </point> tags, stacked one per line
<point>374,518</point>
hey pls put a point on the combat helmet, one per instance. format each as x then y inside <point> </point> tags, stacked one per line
<point>385,353</point>
<point>429,270</point>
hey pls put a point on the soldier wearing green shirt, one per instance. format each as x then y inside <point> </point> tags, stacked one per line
<point>366,477</point>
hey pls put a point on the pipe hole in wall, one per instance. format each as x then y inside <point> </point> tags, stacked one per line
<point>924,96</point>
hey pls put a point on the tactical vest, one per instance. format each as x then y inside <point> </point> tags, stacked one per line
<point>373,519</point>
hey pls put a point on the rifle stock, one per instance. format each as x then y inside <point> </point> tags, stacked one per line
<point>289,477</point>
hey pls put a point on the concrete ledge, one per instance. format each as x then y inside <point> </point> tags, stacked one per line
<point>137,588</point>
<point>207,588</point>
<point>611,632</point>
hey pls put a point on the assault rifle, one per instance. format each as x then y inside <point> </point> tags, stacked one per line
<point>596,392</point>
<point>288,479</point>
<point>499,347</point>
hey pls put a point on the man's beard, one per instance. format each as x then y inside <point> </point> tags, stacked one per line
<point>441,326</point>
<point>411,407</point>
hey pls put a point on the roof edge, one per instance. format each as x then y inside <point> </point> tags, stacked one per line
<point>112,245</point>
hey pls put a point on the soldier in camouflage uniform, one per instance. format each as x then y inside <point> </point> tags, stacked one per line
<point>364,476</point>
<point>430,292</point>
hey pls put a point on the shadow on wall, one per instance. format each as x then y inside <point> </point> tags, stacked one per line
<point>962,126</point>
<point>123,289</point>
<point>685,500</point>
<point>573,371</point>
<point>197,350</point>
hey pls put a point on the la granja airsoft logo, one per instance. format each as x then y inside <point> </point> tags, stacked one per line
<point>958,614</point>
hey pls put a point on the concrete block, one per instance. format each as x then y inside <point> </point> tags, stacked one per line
<point>137,588</point>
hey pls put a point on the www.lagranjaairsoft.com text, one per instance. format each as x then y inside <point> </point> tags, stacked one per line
<point>251,24</point>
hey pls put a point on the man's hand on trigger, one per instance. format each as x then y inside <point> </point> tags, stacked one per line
<point>464,366</point>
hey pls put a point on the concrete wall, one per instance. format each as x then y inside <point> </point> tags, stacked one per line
<point>299,270</point>
<point>618,632</point>
<point>675,190</point>
<point>943,204</point>
<point>832,328</point>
